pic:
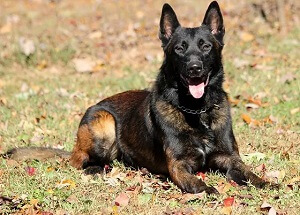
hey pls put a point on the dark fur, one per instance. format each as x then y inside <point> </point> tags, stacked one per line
<point>150,128</point>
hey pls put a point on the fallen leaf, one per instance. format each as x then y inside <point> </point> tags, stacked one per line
<point>30,170</point>
<point>72,199</point>
<point>201,176</point>
<point>223,187</point>
<point>260,95</point>
<point>251,122</point>
<point>246,36</point>
<point>294,180</point>
<point>255,101</point>
<point>226,210</point>
<point>261,168</point>
<point>46,213</point>
<point>276,176</point>
<point>246,118</point>
<point>273,119</point>
<point>122,200</point>
<point>251,106</point>
<point>116,173</point>
<point>228,201</point>
<point>95,35</point>
<point>295,110</point>
<point>84,65</point>
<point>27,46</point>
<point>34,202</point>
<point>6,28</point>
<point>267,207</point>
<point>42,65</point>
<point>234,101</point>
<point>287,78</point>
<point>240,63</point>
<point>66,183</point>
<point>191,197</point>
<point>246,196</point>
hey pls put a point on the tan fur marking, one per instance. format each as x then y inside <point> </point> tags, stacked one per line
<point>82,147</point>
<point>103,126</point>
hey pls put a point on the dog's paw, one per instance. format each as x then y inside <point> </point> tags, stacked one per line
<point>93,170</point>
<point>211,190</point>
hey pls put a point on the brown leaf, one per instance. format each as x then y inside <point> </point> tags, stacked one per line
<point>84,65</point>
<point>246,118</point>
<point>234,101</point>
<point>6,28</point>
<point>246,36</point>
<point>275,176</point>
<point>267,207</point>
<point>72,199</point>
<point>294,180</point>
<point>287,78</point>
<point>122,200</point>
<point>66,183</point>
<point>295,110</point>
<point>251,106</point>
<point>224,187</point>
<point>255,101</point>
<point>240,63</point>
<point>226,210</point>
<point>190,197</point>
<point>261,168</point>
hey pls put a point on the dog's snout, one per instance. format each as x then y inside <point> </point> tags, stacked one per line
<point>194,68</point>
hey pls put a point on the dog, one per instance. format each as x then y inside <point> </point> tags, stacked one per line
<point>182,125</point>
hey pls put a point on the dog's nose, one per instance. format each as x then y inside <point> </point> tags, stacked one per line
<point>195,68</point>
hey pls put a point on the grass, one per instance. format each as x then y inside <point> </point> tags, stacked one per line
<point>43,99</point>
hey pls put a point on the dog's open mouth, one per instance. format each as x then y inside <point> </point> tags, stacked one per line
<point>197,86</point>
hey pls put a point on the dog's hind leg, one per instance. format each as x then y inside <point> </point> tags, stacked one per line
<point>96,142</point>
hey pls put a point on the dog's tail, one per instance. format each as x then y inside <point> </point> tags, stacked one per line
<point>35,153</point>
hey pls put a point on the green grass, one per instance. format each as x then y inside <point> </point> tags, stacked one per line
<point>42,106</point>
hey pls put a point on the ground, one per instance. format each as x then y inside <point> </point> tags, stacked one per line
<point>59,57</point>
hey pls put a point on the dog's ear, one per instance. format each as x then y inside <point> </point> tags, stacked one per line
<point>168,23</point>
<point>214,20</point>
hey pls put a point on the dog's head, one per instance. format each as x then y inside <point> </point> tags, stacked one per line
<point>193,54</point>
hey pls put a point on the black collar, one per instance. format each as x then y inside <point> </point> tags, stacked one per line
<point>199,111</point>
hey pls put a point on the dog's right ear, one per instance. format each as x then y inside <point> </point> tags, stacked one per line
<point>168,23</point>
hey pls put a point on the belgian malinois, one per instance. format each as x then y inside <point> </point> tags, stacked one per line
<point>182,125</point>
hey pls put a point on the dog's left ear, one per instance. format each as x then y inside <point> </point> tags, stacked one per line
<point>168,23</point>
<point>214,20</point>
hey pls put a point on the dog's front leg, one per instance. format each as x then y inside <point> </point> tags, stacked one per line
<point>180,173</point>
<point>235,169</point>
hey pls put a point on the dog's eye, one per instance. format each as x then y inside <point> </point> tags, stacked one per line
<point>179,49</point>
<point>206,47</point>
<point>201,42</point>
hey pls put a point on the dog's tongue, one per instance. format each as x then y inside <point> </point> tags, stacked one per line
<point>197,91</point>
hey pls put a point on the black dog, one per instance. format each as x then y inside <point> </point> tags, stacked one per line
<point>183,125</point>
